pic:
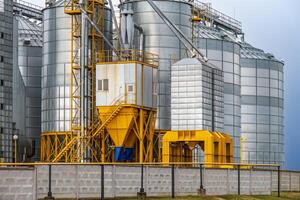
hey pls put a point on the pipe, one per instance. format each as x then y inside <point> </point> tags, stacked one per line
<point>142,37</point>
<point>100,32</point>
<point>82,76</point>
<point>116,23</point>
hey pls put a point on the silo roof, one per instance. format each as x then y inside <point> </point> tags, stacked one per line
<point>248,51</point>
<point>29,30</point>
<point>215,33</point>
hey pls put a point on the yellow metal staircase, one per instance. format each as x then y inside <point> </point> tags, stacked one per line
<point>94,132</point>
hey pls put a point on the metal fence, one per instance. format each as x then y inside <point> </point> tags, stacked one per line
<point>155,179</point>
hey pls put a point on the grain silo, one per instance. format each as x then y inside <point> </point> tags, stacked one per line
<point>57,73</point>
<point>223,50</point>
<point>262,107</point>
<point>28,59</point>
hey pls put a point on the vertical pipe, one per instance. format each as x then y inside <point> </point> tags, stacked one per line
<point>213,100</point>
<point>278,183</point>
<point>173,181</point>
<point>82,77</point>
<point>116,23</point>
<point>239,180</point>
<point>102,182</point>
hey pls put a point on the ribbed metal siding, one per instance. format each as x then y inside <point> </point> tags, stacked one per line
<point>225,55</point>
<point>56,68</point>
<point>30,66</point>
<point>262,108</point>
<point>159,39</point>
<point>6,66</point>
<point>197,96</point>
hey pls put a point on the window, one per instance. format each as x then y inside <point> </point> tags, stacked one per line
<point>103,85</point>
<point>99,84</point>
<point>2,35</point>
<point>1,82</point>
<point>1,59</point>
<point>2,106</point>
<point>1,129</point>
<point>130,88</point>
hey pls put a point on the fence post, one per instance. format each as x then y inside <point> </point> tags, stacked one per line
<point>173,180</point>
<point>201,191</point>
<point>278,177</point>
<point>102,182</point>
<point>239,179</point>
<point>49,195</point>
<point>142,194</point>
<point>290,184</point>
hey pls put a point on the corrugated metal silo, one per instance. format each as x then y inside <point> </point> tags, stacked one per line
<point>262,107</point>
<point>56,68</point>
<point>29,39</point>
<point>224,52</point>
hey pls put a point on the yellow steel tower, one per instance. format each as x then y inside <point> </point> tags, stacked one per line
<point>78,144</point>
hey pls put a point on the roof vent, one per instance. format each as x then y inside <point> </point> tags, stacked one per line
<point>270,56</point>
<point>27,41</point>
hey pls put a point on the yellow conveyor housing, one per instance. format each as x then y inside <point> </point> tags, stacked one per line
<point>178,146</point>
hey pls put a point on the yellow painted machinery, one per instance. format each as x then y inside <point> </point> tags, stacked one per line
<point>178,146</point>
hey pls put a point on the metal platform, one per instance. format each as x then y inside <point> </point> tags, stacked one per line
<point>219,18</point>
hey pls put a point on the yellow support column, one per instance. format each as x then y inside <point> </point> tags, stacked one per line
<point>166,152</point>
<point>103,147</point>
<point>141,132</point>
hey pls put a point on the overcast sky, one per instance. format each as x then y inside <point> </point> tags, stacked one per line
<point>273,25</point>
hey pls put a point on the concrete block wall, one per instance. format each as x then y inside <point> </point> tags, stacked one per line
<point>290,181</point>
<point>85,181</point>
<point>74,181</point>
<point>17,183</point>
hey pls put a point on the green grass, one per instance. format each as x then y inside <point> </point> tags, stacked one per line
<point>284,196</point>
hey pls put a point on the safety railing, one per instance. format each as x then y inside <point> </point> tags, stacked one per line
<point>213,13</point>
<point>128,55</point>
<point>30,5</point>
<point>201,174</point>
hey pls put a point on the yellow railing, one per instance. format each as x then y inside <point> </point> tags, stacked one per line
<point>128,55</point>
